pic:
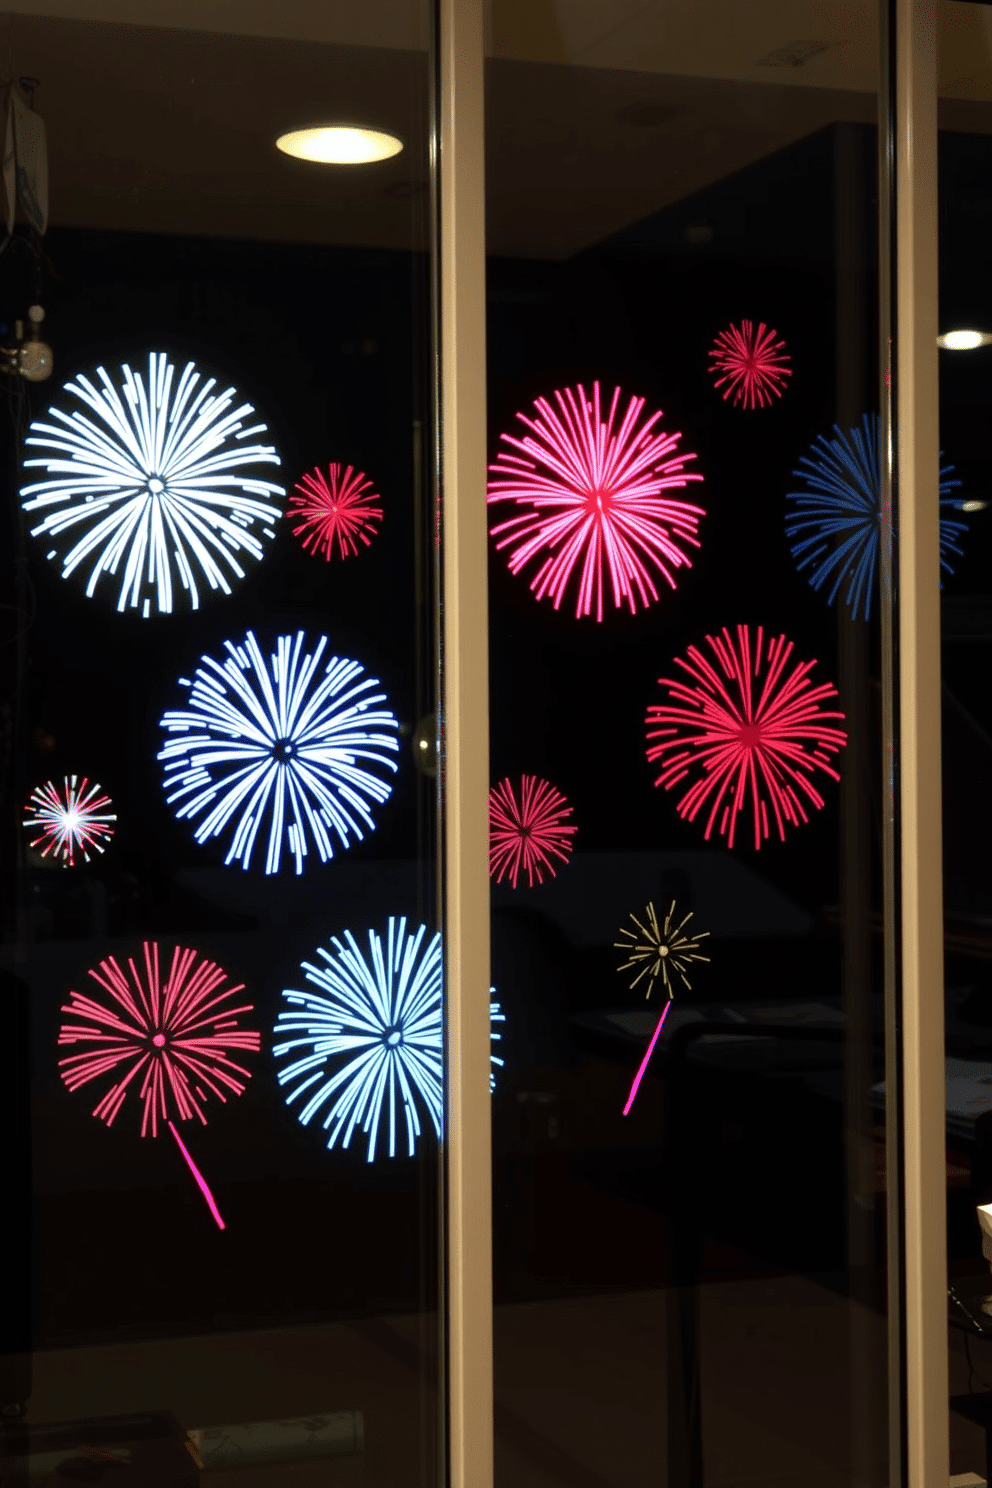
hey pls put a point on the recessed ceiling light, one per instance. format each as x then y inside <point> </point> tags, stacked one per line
<point>339,144</point>
<point>963,340</point>
<point>973,506</point>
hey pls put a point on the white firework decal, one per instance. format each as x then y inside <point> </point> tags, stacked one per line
<point>69,820</point>
<point>151,485</point>
<point>292,747</point>
<point>365,1045</point>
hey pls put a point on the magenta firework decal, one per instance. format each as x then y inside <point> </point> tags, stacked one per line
<point>595,509</point>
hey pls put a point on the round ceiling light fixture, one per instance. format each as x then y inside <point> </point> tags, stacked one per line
<point>339,144</point>
<point>963,340</point>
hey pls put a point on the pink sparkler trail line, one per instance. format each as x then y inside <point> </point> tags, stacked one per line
<point>594,496</point>
<point>646,1060</point>
<point>168,1040</point>
<point>201,1181</point>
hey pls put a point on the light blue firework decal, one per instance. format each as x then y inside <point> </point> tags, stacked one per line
<point>496,1015</point>
<point>363,1043</point>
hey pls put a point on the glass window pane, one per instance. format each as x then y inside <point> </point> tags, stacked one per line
<point>220,960</point>
<point>689,1124</point>
<point>965,155</point>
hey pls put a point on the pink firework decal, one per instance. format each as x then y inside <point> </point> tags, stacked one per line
<point>168,1042</point>
<point>71,820</point>
<point>592,502</point>
<point>752,364</point>
<point>340,508</point>
<point>744,731</point>
<point>529,830</point>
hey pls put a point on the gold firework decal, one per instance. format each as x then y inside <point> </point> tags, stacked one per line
<point>654,951</point>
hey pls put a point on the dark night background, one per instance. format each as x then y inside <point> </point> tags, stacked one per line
<point>331,346</point>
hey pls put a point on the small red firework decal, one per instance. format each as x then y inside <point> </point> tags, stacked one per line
<point>169,1042</point>
<point>529,830</point>
<point>593,503</point>
<point>341,508</point>
<point>752,363</point>
<point>745,731</point>
<point>70,820</point>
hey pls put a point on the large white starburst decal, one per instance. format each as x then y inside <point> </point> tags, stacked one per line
<point>154,484</point>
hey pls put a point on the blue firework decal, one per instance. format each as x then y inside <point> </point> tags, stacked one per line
<point>292,748</point>
<point>152,485</point>
<point>837,519</point>
<point>364,1042</point>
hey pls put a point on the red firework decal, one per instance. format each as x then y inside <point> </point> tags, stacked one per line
<point>529,830</point>
<point>341,508</point>
<point>75,818</point>
<point>169,1042</point>
<point>747,731</point>
<point>593,501</point>
<point>752,363</point>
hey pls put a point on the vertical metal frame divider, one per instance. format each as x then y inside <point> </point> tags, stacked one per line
<point>894,1205</point>
<point>464,764</point>
<point>916,898</point>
